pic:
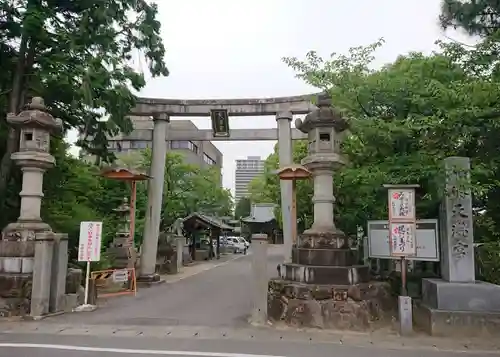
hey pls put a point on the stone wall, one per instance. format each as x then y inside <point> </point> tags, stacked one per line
<point>357,307</point>
<point>16,268</point>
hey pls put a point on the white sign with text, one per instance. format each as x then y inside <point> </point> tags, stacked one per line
<point>426,241</point>
<point>402,238</point>
<point>401,205</point>
<point>89,245</point>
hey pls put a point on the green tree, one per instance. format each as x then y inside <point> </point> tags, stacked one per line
<point>243,208</point>
<point>74,192</point>
<point>405,118</point>
<point>476,17</point>
<point>77,56</point>
<point>266,187</point>
<point>188,189</point>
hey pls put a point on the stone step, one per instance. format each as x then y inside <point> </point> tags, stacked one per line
<point>322,241</point>
<point>315,274</point>
<point>323,257</point>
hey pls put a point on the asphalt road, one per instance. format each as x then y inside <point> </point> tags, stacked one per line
<point>80,346</point>
<point>217,297</point>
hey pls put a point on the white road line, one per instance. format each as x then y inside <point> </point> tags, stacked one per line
<point>131,351</point>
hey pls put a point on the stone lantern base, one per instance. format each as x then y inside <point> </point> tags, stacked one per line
<point>324,287</point>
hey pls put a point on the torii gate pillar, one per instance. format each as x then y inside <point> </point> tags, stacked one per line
<point>147,273</point>
<point>284,120</point>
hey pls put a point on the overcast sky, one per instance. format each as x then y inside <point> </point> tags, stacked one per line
<point>233,49</point>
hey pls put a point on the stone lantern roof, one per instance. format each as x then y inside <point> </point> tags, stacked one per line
<point>324,116</point>
<point>123,207</point>
<point>36,115</point>
<point>293,172</point>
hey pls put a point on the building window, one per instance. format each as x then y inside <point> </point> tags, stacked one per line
<point>176,144</point>
<point>193,147</point>
<point>139,144</point>
<point>184,144</point>
<point>208,160</point>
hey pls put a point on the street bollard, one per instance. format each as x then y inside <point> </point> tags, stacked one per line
<point>179,246</point>
<point>259,268</point>
<point>405,316</point>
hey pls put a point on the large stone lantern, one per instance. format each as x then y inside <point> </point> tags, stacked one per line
<point>324,128</point>
<point>35,125</point>
<point>324,286</point>
<point>31,255</point>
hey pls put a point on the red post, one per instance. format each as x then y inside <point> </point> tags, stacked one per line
<point>133,198</point>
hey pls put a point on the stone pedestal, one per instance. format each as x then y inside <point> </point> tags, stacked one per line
<point>457,304</point>
<point>458,309</point>
<point>16,268</point>
<point>42,274</point>
<point>59,272</point>
<point>324,287</point>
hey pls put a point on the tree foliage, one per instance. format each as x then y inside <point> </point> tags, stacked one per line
<point>405,118</point>
<point>189,188</point>
<point>75,192</point>
<point>243,208</point>
<point>77,56</point>
<point>476,17</point>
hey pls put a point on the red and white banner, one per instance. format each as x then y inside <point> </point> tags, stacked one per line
<point>89,245</point>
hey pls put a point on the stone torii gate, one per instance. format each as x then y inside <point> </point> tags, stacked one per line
<point>283,108</point>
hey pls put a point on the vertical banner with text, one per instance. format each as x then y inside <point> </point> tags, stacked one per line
<point>402,222</point>
<point>89,245</point>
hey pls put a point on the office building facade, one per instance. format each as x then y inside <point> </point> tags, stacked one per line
<point>246,171</point>
<point>201,153</point>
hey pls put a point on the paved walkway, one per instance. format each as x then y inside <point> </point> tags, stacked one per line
<point>200,267</point>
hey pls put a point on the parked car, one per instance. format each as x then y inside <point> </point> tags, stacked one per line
<point>244,241</point>
<point>238,246</point>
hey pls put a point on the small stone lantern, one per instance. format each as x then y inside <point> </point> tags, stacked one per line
<point>34,158</point>
<point>122,248</point>
<point>123,212</point>
<point>324,128</point>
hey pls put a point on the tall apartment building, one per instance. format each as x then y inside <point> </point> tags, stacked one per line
<point>246,171</point>
<point>202,153</point>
